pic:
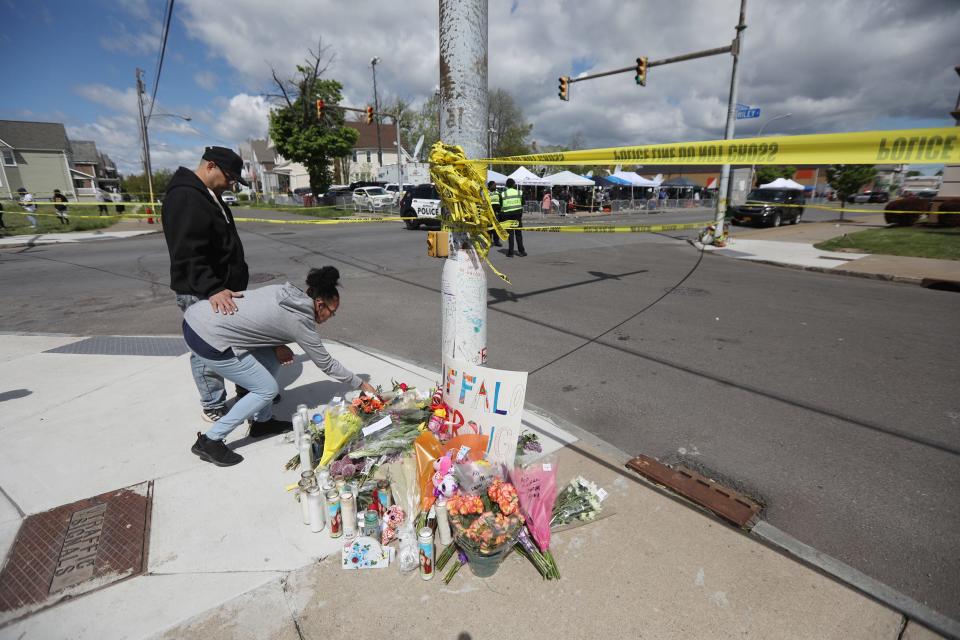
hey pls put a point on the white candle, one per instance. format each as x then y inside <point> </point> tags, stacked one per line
<point>315,504</point>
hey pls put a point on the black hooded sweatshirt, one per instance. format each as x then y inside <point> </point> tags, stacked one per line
<point>206,255</point>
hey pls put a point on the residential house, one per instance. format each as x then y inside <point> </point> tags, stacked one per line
<point>35,156</point>
<point>259,166</point>
<point>364,164</point>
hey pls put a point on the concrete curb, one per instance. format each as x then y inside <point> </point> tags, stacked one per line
<point>15,245</point>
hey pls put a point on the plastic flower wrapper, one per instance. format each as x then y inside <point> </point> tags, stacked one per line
<point>402,475</point>
<point>339,429</point>
<point>578,502</point>
<point>467,447</point>
<point>488,532</point>
<point>427,449</point>
<point>475,477</point>
<point>396,438</point>
<point>537,488</point>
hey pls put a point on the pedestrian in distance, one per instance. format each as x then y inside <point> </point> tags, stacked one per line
<point>2,225</point>
<point>206,255</point>
<point>248,348</point>
<point>495,205</point>
<point>102,199</point>
<point>511,206</point>
<point>61,208</point>
<point>546,205</point>
<point>28,205</point>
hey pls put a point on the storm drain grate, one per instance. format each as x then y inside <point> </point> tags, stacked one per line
<point>124,346</point>
<point>709,494</point>
<point>76,548</point>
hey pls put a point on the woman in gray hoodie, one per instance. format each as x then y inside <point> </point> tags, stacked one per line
<point>247,347</point>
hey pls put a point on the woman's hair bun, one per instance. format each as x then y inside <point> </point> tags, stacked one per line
<point>322,282</point>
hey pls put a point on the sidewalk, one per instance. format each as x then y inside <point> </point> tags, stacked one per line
<point>792,246</point>
<point>125,228</point>
<point>228,557</point>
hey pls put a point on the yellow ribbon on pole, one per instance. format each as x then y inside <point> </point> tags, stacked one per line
<point>462,188</point>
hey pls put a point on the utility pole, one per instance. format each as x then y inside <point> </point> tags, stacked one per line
<point>723,192</point>
<point>376,108</point>
<point>396,123</point>
<point>144,136</point>
<point>464,102</point>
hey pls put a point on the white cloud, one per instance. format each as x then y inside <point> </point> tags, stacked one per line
<point>844,66</point>
<point>205,80</point>
<point>243,117</point>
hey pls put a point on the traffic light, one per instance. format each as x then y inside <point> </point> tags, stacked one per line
<point>369,115</point>
<point>320,106</point>
<point>641,71</point>
<point>564,88</point>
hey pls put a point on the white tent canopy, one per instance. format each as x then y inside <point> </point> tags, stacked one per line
<point>635,179</point>
<point>525,177</point>
<point>782,183</point>
<point>569,179</point>
<point>496,176</point>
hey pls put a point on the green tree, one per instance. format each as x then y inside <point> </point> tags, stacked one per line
<point>136,185</point>
<point>913,172</point>
<point>770,172</point>
<point>846,180</point>
<point>510,128</point>
<point>296,130</point>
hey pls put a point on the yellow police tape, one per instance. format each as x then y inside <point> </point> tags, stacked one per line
<point>902,146</point>
<point>634,228</point>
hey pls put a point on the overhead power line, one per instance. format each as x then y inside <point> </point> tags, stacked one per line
<point>163,49</point>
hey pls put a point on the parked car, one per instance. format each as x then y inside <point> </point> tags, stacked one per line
<point>372,198</point>
<point>768,208</point>
<point>421,206</point>
<point>228,197</point>
<point>337,195</point>
<point>303,191</point>
<point>870,196</point>
<point>396,191</point>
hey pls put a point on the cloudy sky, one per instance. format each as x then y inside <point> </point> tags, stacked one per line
<point>837,65</point>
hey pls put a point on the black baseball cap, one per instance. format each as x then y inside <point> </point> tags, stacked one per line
<point>229,162</point>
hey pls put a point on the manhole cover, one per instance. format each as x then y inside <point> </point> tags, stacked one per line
<point>75,549</point>
<point>259,278</point>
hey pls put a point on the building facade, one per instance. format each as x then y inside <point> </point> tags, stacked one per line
<point>36,157</point>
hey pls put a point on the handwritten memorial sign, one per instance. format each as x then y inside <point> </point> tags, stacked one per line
<point>486,401</point>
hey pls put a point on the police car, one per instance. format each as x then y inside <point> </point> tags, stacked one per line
<point>421,206</point>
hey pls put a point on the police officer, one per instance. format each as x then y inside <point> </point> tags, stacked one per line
<point>511,207</point>
<point>495,205</point>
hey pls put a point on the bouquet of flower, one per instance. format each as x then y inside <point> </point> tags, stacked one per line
<point>537,488</point>
<point>580,501</point>
<point>486,526</point>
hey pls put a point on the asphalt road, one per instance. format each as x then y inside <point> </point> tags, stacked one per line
<point>833,399</point>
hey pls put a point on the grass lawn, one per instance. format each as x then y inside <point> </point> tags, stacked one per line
<point>313,212</point>
<point>917,241</point>
<point>17,224</point>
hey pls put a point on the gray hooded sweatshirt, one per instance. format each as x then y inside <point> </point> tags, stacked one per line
<point>268,317</point>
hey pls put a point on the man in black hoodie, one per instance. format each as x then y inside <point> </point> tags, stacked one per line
<point>206,255</point>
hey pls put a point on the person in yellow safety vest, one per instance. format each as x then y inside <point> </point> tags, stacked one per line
<point>495,205</point>
<point>511,208</point>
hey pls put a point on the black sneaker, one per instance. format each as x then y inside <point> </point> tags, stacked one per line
<point>522,254</point>
<point>242,392</point>
<point>271,427</point>
<point>212,415</point>
<point>215,451</point>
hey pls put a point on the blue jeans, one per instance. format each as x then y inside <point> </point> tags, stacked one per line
<point>256,371</point>
<point>213,395</point>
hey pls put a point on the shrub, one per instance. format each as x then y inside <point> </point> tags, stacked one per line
<point>949,219</point>
<point>244,197</point>
<point>920,205</point>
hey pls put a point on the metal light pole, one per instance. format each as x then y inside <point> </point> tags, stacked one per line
<point>376,109</point>
<point>731,119</point>
<point>464,105</point>
<point>753,167</point>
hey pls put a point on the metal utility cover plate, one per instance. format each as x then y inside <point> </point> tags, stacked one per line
<point>76,548</point>
<point>726,503</point>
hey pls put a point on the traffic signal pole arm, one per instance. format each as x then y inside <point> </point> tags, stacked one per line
<point>659,63</point>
